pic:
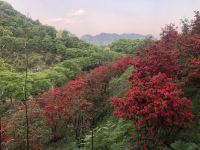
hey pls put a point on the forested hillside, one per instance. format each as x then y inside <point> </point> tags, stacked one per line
<point>59,92</point>
<point>45,45</point>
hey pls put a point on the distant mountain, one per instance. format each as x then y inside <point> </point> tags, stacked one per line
<point>107,38</point>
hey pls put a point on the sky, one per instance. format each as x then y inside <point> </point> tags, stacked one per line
<point>109,16</point>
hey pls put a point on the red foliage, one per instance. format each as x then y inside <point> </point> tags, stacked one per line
<point>76,92</point>
<point>75,89</point>
<point>154,101</point>
<point>189,46</point>
<point>189,56</point>
<point>122,64</point>
<point>157,103</point>
<point>66,106</point>
<point>155,107</point>
<point>5,139</point>
<point>194,72</point>
<point>54,106</point>
<point>155,59</point>
<point>101,75</point>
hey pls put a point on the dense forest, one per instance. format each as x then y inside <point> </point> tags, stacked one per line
<point>59,92</point>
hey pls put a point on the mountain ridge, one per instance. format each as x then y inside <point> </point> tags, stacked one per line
<point>104,39</point>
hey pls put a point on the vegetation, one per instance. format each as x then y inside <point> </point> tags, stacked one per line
<point>126,46</point>
<point>58,92</point>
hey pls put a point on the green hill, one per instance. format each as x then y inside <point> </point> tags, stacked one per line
<point>45,45</point>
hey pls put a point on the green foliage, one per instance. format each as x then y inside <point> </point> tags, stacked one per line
<point>11,86</point>
<point>192,133</point>
<point>74,53</point>
<point>71,68</point>
<point>4,66</point>
<point>119,85</point>
<point>11,83</point>
<point>126,46</point>
<point>181,145</point>
<point>65,144</point>
<point>39,82</point>
<point>57,78</point>
<point>111,134</point>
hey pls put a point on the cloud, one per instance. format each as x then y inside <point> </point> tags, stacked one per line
<point>71,19</point>
<point>77,12</point>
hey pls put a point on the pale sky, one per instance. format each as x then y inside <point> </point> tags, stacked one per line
<point>110,16</point>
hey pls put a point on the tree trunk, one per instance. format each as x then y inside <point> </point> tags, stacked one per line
<point>27,127</point>
<point>25,101</point>
<point>0,135</point>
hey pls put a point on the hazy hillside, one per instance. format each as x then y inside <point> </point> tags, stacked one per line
<point>107,38</point>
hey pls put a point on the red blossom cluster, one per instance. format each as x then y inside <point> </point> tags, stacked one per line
<point>155,59</point>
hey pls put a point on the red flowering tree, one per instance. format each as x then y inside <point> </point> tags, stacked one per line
<point>99,78</point>
<point>189,55</point>
<point>188,49</point>
<point>189,46</point>
<point>67,107</point>
<point>54,108</point>
<point>154,101</point>
<point>155,107</point>
<point>79,108</point>
<point>122,64</point>
<point>169,35</point>
<point>155,59</point>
